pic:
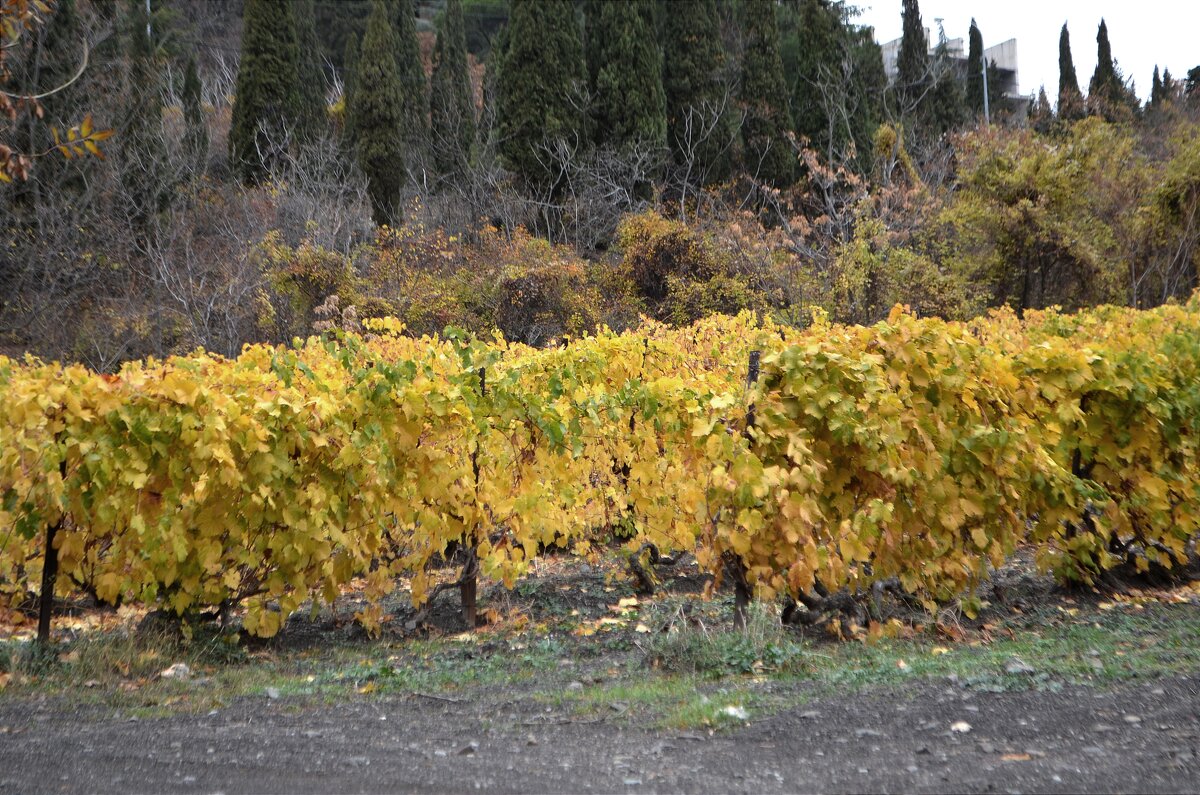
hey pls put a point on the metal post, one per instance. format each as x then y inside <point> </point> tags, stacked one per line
<point>987,111</point>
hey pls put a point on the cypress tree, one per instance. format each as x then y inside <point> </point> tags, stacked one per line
<point>414,93</point>
<point>946,105</point>
<point>268,103</point>
<point>1156,89</point>
<point>452,106</point>
<point>1169,88</point>
<point>699,124</point>
<point>336,22</point>
<point>1107,94</point>
<point>349,70</point>
<point>834,71</point>
<point>538,86</point>
<point>142,143</point>
<point>58,60</point>
<point>768,153</point>
<point>375,116</point>
<point>870,87</point>
<point>975,71</point>
<point>313,108</point>
<point>913,73</point>
<point>811,50</point>
<point>195,138</point>
<point>625,75</point>
<point>1041,115</point>
<point>1070,100</point>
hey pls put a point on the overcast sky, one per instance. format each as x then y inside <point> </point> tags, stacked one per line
<point>1142,33</point>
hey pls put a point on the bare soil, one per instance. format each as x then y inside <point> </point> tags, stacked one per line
<point>1142,737</point>
<point>1046,691</point>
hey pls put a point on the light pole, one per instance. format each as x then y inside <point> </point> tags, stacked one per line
<point>987,111</point>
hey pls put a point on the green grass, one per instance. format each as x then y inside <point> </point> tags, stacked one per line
<point>682,679</point>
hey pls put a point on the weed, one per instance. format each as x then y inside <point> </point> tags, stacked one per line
<point>764,645</point>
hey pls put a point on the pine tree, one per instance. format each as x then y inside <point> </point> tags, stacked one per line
<point>1070,100</point>
<point>195,138</point>
<point>414,93</point>
<point>375,116</point>
<point>975,71</point>
<point>768,152</point>
<point>538,87</point>
<point>625,75</point>
<point>313,108</point>
<point>914,76</point>
<point>1107,93</point>
<point>267,109</point>
<point>452,105</point>
<point>700,124</point>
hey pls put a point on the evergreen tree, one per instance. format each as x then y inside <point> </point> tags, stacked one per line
<point>700,124</point>
<point>336,22</point>
<point>375,116</point>
<point>1070,100</point>
<point>811,51</point>
<point>538,87</point>
<point>268,106</point>
<point>452,106</point>
<point>195,138</point>
<point>946,105</point>
<point>57,62</point>
<point>1170,89</point>
<point>834,71</point>
<point>625,75</point>
<point>914,76</point>
<point>349,70</point>
<point>1107,94</point>
<point>1156,90</point>
<point>313,108</point>
<point>975,71</point>
<point>414,94</point>
<point>768,152</point>
<point>1041,115</point>
<point>144,153</point>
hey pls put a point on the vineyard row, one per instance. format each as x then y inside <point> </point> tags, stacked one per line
<point>917,452</point>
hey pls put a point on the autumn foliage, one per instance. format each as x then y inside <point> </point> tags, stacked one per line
<point>916,450</point>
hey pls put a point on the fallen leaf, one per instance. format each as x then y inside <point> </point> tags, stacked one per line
<point>1016,758</point>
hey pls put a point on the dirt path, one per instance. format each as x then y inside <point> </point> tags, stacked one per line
<point>1133,737</point>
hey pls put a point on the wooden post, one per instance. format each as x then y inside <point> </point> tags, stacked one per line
<point>49,578</point>
<point>49,573</point>
<point>751,380</point>
<point>468,583</point>
<point>734,565</point>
